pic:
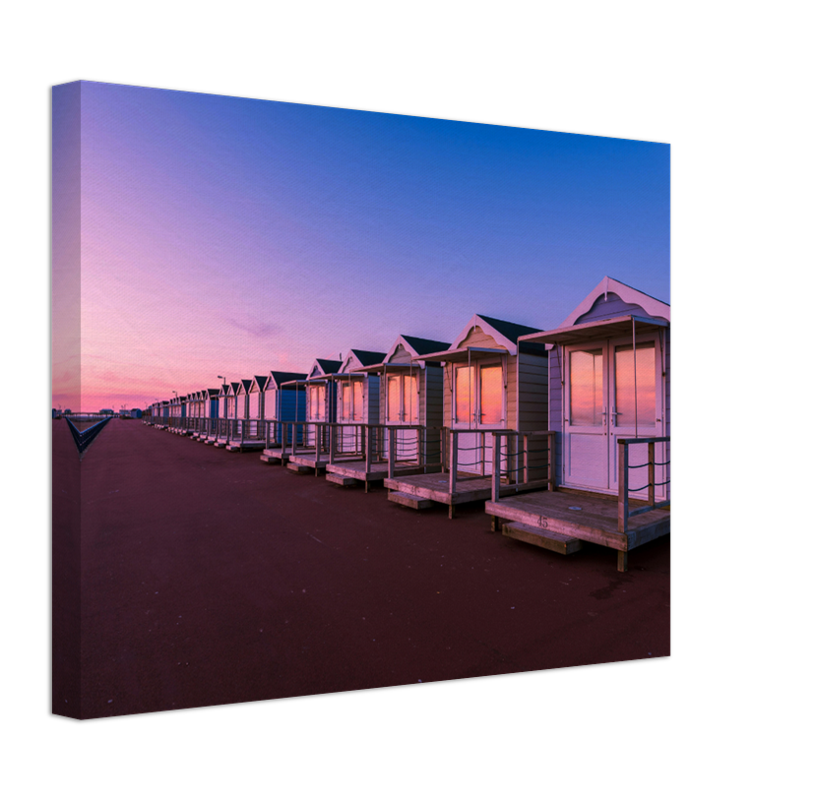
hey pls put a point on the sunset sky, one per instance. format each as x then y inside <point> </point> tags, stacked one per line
<point>224,236</point>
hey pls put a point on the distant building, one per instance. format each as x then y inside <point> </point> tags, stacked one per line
<point>136,413</point>
<point>108,412</point>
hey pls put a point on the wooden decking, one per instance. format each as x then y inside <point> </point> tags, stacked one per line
<point>357,471</point>
<point>588,517</point>
<point>436,486</point>
<point>247,444</point>
<point>307,461</point>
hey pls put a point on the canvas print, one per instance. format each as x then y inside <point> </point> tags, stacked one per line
<point>347,400</point>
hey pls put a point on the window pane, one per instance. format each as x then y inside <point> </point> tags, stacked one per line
<point>465,402</point>
<point>393,398</point>
<point>346,398</point>
<point>411,399</point>
<point>316,402</point>
<point>358,404</point>
<point>586,387</point>
<point>624,389</point>
<point>492,386</point>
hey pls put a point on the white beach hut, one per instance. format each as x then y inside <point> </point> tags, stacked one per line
<point>491,383</point>
<point>609,410</point>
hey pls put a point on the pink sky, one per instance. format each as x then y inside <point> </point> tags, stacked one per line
<point>217,235</point>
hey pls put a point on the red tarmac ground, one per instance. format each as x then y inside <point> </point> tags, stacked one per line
<point>208,577</point>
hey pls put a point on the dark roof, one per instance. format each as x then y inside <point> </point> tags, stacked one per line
<point>509,329</point>
<point>425,345</point>
<point>235,385</point>
<point>367,357</point>
<point>261,381</point>
<point>281,377</point>
<point>328,365</point>
<point>212,392</point>
<point>247,382</point>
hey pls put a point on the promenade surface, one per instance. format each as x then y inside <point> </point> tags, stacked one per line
<point>208,577</point>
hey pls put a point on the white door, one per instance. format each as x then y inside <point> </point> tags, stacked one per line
<point>636,403</point>
<point>479,404</point>
<point>402,408</point>
<point>315,411</point>
<point>350,408</point>
<point>599,407</point>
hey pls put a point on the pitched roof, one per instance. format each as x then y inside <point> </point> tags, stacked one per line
<point>328,365</point>
<point>509,329</point>
<point>368,357</point>
<point>261,381</point>
<point>422,346</point>
<point>281,377</point>
<point>628,294</point>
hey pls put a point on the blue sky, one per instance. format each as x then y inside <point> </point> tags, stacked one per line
<point>230,236</point>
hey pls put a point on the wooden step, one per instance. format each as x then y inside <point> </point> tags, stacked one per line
<point>297,468</point>
<point>270,459</point>
<point>549,540</point>
<point>340,480</point>
<point>409,500</point>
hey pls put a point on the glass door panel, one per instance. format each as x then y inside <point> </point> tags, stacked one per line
<point>465,399</point>
<point>586,387</point>
<point>628,403</point>
<point>585,438</point>
<point>491,396</point>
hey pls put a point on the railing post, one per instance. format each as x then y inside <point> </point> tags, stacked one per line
<point>550,458</point>
<point>483,453</point>
<point>651,474</point>
<point>369,447</point>
<point>496,467</point>
<point>453,451</point>
<point>391,452</point>
<point>526,456</point>
<point>622,485</point>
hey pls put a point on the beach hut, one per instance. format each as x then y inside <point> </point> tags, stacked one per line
<point>248,430</point>
<point>320,396</point>
<point>283,399</point>
<point>491,383</point>
<point>256,397</point>
<point>210,412</point>
<point>409,394</point>
<point>228,426</point>
<point>182,403</point>
<point>609,410</point>
<point>354,437</point>
<point>252,432</point>
<point>220,420</point>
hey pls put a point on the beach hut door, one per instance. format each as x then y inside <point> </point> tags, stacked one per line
<point>479,405</point>
<point>402,397</point>
<point>602,405</point>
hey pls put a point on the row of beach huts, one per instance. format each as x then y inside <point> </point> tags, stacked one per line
<point>564,434</point>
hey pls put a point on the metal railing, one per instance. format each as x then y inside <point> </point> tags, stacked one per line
<point>624,513</point>
<point>420,446</point>
<point>515,465</point>
<point>83,438</point>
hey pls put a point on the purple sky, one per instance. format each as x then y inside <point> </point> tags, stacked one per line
<point>230,236</point>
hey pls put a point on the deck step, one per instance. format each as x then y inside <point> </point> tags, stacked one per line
<point>549,540</point>
<point>269,459</point>
<point>297,468</point>
<point>409,500</point>
<point>340,480</point>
